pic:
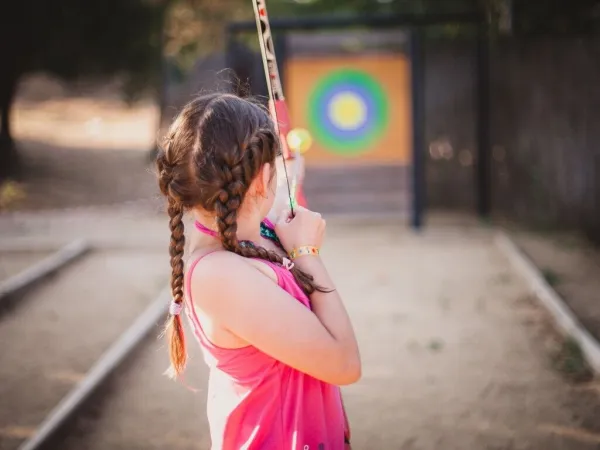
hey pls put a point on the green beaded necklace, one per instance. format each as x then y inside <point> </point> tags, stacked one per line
<point>269,233</point>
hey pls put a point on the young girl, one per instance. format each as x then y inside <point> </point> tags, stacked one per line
<point>271,325</point>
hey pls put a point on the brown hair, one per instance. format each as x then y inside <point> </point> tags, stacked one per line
<point>213,151</point>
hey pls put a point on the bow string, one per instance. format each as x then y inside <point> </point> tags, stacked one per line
<point>277,103</point>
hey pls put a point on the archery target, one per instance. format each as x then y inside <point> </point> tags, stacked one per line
<point>355,107</point>
<point>348,111</point>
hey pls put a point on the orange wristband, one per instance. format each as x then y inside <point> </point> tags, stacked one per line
<point>304,250</point>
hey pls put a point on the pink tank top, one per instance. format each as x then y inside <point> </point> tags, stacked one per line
<point>256,402</point>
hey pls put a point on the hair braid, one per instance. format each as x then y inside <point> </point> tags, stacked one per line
<point>175,209</point>
<point>236,180</point>
<point>177,349</point>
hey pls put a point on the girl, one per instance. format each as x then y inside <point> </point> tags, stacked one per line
<point>272,328</point>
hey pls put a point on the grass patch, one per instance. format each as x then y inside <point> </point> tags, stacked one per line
<point>436,345</point>
<point>551,277</point>
<point>570,362</point>
<point>11,194</point>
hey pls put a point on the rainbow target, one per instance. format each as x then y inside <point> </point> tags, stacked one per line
<point>348,112</point>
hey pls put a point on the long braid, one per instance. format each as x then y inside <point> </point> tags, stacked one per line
<point>237,175</point>
<point>174,326</point>
<point>177,348</point>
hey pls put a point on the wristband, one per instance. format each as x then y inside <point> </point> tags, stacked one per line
<point>304,250</point>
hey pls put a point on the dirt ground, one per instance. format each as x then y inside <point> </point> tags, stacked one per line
<point>456,354</point>
<point>571,266</point>
<point>61,177</point>
<point>89,151</point>
<point>81,151</point>
<point>12,263</point>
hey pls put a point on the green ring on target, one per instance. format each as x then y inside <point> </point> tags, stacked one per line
<point>348,112</point>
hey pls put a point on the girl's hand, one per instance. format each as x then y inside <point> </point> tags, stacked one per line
<point>305,228</point>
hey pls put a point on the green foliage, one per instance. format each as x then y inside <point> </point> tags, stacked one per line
<point>525,16</point>
<point>551,277</point>
<point>70,38</point>
<point>570,361</point>
<point>372,7</point>
<point>556,17</point>
<point>195,28</point>
<point>11,193</point>
<point>75,38</point>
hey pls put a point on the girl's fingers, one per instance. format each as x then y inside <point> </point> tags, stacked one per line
<point>285,217</point>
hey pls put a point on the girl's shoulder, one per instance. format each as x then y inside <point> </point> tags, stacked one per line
<point>225,262</point>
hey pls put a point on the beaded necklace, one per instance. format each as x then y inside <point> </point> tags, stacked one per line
<point>266,230</point>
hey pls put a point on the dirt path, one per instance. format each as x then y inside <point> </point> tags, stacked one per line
<point>57,330</point>
<point>61,177</point>
<point>571,266</point>
<point>82,145</point>
<point>455,353</point>
<point>455,356</point>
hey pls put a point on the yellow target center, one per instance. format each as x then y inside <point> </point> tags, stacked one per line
<point>347,111</point>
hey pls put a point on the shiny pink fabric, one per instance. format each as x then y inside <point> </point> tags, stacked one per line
<point>258,403</point>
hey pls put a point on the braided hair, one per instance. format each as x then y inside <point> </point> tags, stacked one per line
<point>213,151</point>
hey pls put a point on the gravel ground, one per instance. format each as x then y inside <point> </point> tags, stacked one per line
<point>571,265</point>
<point>455,352</point>
<point>56,331</point>
<point>11,263</point>
<point>455,356</point>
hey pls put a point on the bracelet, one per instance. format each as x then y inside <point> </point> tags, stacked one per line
<point>304,250</point>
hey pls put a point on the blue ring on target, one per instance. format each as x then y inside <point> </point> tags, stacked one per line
<point>348,112</point>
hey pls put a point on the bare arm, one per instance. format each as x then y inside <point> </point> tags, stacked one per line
<point>330,310</point>
<point>320,344</point>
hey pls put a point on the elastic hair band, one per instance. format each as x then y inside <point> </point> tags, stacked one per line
<point>175,308</point>
<point>289,265</point>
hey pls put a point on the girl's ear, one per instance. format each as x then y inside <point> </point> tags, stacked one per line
<point>265,178</point>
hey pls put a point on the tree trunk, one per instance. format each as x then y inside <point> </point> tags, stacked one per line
<point>8,156</point>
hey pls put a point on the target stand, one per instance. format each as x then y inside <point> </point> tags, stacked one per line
<point>357,84</point>
<point>355,102</point>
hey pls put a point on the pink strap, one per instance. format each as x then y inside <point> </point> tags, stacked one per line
<point>191,310</point>
<point>269,224</point>
<point>205,230</point>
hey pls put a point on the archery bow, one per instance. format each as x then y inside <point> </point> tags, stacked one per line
<point>279,109</point>
<point>278,104</point>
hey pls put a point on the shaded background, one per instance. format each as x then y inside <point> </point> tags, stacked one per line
<point>105,74</point>
<point>86,90</point>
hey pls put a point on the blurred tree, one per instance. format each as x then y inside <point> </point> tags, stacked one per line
<point>520,16</point>
<point>72,38</point>
<point>195,27</point>
<point>557,17</point>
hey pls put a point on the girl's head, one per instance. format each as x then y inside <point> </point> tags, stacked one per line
<point>219,159</point>
<point>218,150</point>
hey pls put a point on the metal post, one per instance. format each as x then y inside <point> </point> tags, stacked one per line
<point>418,126</point>
<point>482,123</point>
